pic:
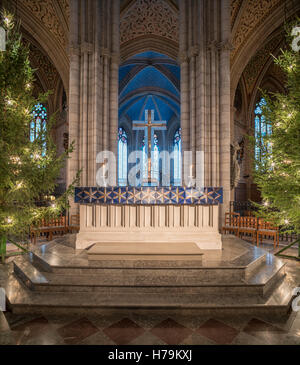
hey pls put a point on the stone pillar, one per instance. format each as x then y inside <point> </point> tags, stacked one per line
<point>184,79</point>
<point>205,87</point>
<point>225,105</point>
<point>94,62</point>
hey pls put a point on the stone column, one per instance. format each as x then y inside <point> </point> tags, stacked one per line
<point>225,104</point>
<point>94,61</point>
<point>205,87</point>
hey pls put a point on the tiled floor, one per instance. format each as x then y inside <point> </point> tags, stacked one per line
<point>49,330</point>
<point>142,328</point>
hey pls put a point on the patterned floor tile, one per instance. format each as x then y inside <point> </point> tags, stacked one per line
<point>124,331</point>
<point>102,321</point>
<point>171,332</point>
<point>98,338</point>
<point>257,327</point>
<point>238,322</point>
<point>244,339</point>
<point>196,339</point>
<point>218,331</point>
<point>61,321</point>
<point>49,337</point>
<point>33,327</point>
<point>190,321</point>
<point>77,331</point>
<point>148,320</point>
<point>147,339</point>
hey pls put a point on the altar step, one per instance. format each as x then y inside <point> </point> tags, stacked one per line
<point>21,301</point>
<point>54,279</point>
<point>133,282</point>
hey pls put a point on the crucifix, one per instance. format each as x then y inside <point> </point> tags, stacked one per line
<point>149,126</point>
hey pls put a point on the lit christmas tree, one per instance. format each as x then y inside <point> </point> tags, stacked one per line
<point>28,168</point>
<point>277,167</point>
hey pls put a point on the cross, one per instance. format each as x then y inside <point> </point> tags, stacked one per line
<point>149,126</point>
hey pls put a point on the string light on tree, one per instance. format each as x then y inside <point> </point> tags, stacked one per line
<point>278,177</point>
<point>18,211</point>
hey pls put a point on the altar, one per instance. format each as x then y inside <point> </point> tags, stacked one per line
<point>149,214</point>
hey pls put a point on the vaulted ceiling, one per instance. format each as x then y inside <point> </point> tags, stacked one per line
<point>149,81</point>
<point>144,23</point>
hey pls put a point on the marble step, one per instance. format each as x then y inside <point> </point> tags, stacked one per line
<point>22,300</point>
<point>143,265</point>
<point>158,281</point>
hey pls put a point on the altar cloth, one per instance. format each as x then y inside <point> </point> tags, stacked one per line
<point>149,195</point>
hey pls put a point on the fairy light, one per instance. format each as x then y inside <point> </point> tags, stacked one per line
<point>7,21</point>
<point>9,220</point>
<point>286,221</point>
<point>19,185</point>
<point>266,203</point>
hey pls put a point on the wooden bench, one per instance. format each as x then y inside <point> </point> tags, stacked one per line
<point>267,229</point>
<point>231,223</point>
<point>248,225</point>
<point>255,227</point>
<point>49,227</point>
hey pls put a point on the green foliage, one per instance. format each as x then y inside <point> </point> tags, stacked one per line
<point>27,175</point>
<point>277,174</point>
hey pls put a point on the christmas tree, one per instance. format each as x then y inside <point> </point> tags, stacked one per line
<point>28,167</point>
<point>277,167</point>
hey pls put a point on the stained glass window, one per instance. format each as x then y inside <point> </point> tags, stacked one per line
<point>262,130</point>
<point>177,157</point>
<point>38,124</point>
<point>122,160</point>
<point>155,159</point>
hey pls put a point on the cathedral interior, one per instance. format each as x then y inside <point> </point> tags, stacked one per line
<point>200,67</point>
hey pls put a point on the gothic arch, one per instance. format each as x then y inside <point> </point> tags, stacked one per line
<point>149,43</point>
<point>258,36</point>
<point>49,29</point>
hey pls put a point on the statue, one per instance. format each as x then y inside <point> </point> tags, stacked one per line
<point>237,156</point>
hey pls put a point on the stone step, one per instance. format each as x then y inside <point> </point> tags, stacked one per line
<point>159,281</point>
<point>22,300</point>
<point>145,265</point>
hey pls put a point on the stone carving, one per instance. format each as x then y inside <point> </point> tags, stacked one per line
<point>254,13</point>
<point>66,8</point>
<point>234,7</point>
<point>237,156</point>
<point>149,17</point>
<point>214,45</point>
<point>45,12</point>
<point>41,62</point>
<point>257,62</point>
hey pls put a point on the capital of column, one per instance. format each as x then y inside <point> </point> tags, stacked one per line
<point>220,46</point>
<point>183,57</point>
<point>193,51</point>
<point>226,45</point>
<point>86,47</point>
<point>74,49</point>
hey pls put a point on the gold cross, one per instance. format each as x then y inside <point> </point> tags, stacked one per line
<point>149,125</point>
